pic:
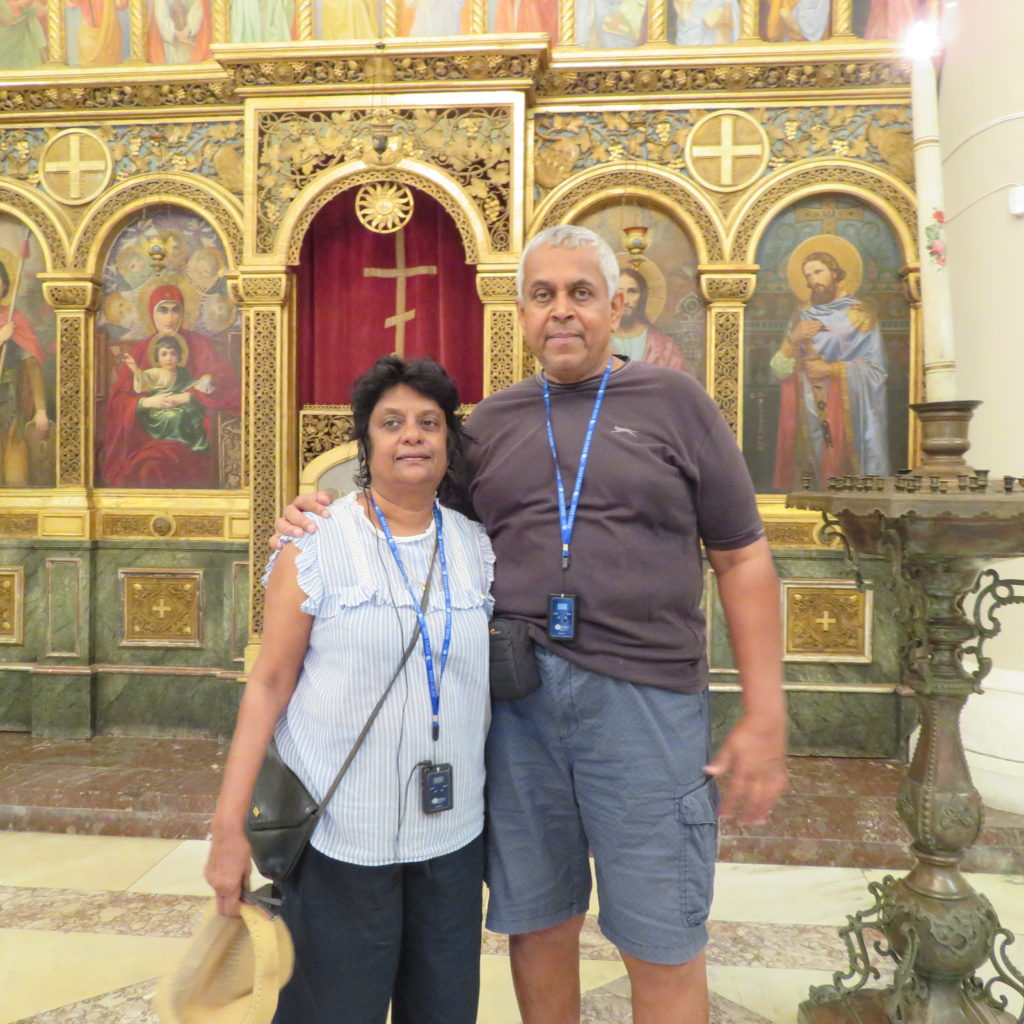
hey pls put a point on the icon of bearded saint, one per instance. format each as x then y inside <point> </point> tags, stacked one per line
<point>146,443</point>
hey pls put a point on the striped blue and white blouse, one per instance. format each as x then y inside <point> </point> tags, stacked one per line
<point>364,617</point>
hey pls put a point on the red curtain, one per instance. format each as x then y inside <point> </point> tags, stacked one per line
<point>348,286</point>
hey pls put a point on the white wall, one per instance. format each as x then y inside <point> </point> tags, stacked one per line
<point>983,82</point>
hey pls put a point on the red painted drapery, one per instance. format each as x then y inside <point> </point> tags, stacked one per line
<point>351,307</point>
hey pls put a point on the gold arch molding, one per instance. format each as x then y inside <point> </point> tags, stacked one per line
<point>43,217</point>
<point>332,183</point>
<point>661,188</point>
<point>207,199</point>
<point>883,192</point>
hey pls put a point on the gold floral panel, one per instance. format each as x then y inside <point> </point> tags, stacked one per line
<point>162,607</point>
<point>12,604</point>
<point>826,621</point>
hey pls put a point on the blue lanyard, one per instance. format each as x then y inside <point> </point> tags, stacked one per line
<point>568,520</point>
<point>428,658</point>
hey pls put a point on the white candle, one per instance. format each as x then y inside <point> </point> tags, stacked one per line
<point>936,297</point>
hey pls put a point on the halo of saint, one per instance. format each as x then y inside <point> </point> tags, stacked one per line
<point>845,254</point>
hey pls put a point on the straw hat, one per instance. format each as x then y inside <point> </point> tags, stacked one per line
<point>231,973</point>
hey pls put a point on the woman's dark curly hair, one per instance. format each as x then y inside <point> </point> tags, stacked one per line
<point>431,380</point>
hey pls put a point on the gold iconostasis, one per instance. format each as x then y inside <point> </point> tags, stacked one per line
<point>214,215</point>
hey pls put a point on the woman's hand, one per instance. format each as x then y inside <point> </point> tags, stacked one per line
<point>227,870</point>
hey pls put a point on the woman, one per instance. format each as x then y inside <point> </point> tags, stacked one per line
<point>134,454</point>
<point>385,905</point>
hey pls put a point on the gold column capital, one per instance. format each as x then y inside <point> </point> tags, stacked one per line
<point>726,283</point>
<point>71,290</point>
<point>911,276</point>
<point>262,287</point>
<point>496,286</point>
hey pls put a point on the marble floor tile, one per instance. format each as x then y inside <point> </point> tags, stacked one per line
<point>78,862</point>
<point>787,894</point>
<point>179,873</point>
<point>44,970</point>
<point>774,994</point>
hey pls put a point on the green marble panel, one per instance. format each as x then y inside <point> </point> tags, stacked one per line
<point>219,614</point>
<point>15,701</point>
<point>62,705</point>
<point>66,606</point>
<point>129,704</point>
<point>832,723</point>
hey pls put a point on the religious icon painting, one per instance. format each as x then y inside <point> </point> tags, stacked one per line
<point>347,19</point>
<point>98,32</point>
<point>524,16</point>
<point>664,319</point>
<point>383,270</point>
<point>179,31</point>
<point>434,17</point>
<point>262,21</point>
<point>168,358</point>
<point>611,24</point>
<point>22,34</point>
<point>827,348</point>
<point>28,364</point>
<point>703,22</point>
<point>796,21</point>
<point>886,19</point>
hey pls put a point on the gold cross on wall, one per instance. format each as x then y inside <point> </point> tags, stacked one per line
<point>829,214</point>
<point>401,273</point>
<point>727,150</point>
<point>74,166</point>
<point>826,620</point>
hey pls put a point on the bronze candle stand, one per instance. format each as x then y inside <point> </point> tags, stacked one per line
<point>934,928</point>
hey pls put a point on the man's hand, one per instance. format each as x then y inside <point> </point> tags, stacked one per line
<point>817,369</point>
<point>753,756</point>
<point>42,423</point>
<point>293,523</point>
<point>805,330</point>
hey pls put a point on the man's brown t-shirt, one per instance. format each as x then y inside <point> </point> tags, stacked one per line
<point>664,473</point>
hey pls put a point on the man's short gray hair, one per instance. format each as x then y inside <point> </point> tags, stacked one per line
<point>571,236</point>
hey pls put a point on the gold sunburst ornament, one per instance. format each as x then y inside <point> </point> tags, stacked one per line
<point>384,208</point>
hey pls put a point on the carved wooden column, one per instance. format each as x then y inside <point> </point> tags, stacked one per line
<point>911,276</point>
<point>727,289</point>
<point>221,21</point>
<point>842,18</point>
<point>390,18</point>
<point>137,32</point>
<point>567,23</point>
<point>506,359</point>
<point>749,12</point>
<point>268,412</point>
<point>478,17</point>
<point>56,42</point>
<point>657,22</point>
<point>74,296</point>
<point>305,19</point>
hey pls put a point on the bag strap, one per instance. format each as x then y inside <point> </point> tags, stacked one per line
<point>383,697</point>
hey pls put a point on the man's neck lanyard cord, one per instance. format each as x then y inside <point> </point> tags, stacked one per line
<point>568,519</point>
<point>428,658</point>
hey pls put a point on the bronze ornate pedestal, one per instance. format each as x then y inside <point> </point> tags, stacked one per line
<point>935,928</point>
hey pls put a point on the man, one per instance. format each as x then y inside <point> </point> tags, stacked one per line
<point>610,754</point>
<point>636,336</point>
<point>832,402</point>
